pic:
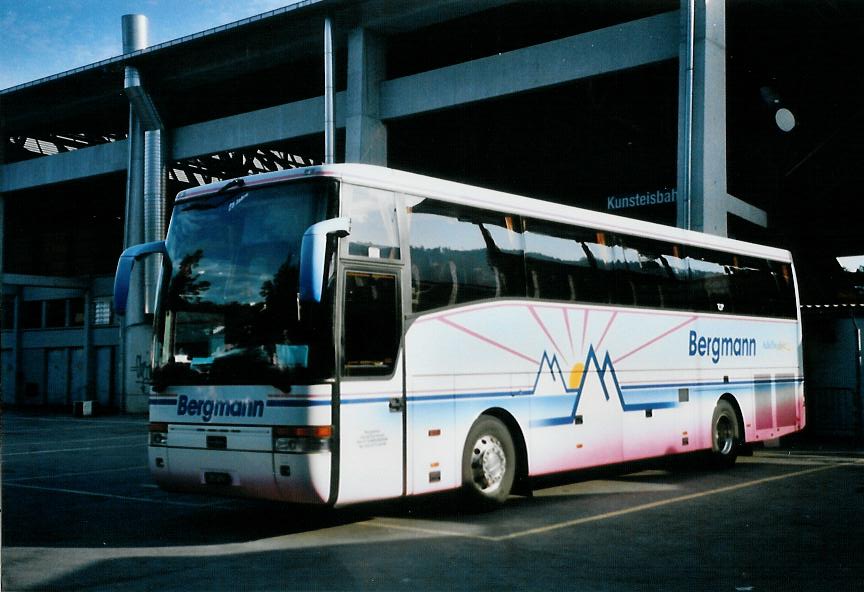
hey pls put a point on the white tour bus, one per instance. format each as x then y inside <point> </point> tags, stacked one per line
<point>343,333</point>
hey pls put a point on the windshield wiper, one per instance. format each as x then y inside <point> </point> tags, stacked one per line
<point>239,182</point>
<point>207,204</point>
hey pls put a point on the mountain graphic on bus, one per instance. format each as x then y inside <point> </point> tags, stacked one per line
<point>551,377</point>
<point>608,339</point>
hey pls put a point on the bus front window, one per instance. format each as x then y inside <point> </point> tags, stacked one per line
<point>229,313</point>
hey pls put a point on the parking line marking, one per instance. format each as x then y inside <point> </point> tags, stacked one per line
<point>807,456</point>
<point>378,523</point>
<point>76,474</point>
<point>112,496</point>
<point>142,444</point>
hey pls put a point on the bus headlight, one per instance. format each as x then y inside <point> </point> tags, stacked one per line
<point>302,439</point>
<point>158,434</point>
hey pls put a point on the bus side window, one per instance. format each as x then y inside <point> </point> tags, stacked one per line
<point>374,230</point>
<point>763,287</point>
<point>559,264</point>
<point>461,255</point>
<point>600,282</point>
<point>711,285</point>
<point>675,293</point>
<point>623,277</point>
<point>415,286</point>
<point>371,308</point>
<point>786,305</point>
<point>658,274</point>
<point>454,282</point>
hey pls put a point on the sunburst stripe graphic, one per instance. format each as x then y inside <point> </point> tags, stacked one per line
<point>579,373</point>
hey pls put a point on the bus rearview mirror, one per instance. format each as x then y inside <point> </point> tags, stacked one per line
<point>124,271</point>
<point>313,255</point>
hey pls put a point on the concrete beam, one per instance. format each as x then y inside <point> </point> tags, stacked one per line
<point>44,281</point>
<point>66,166</point>
<point>637,43</point>
<point>620,47</point>
<point>292,120</point>
<point>51,338</point>
<point>628,45</point>
<point>749,212</point>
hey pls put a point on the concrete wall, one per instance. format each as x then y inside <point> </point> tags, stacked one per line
<point>56,365</point>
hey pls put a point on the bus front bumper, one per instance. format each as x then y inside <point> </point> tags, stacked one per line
<point>299,478</point>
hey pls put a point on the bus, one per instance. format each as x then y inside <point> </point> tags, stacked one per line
<point>345,333</point>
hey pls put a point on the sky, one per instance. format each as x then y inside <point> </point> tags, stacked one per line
<point>39,38</point>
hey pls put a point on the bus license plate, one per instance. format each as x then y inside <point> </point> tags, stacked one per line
<point>214,478</point>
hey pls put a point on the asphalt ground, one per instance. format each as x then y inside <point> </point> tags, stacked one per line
<point>79,512</point>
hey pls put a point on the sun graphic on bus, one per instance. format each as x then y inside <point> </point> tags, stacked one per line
<point>575,380</point>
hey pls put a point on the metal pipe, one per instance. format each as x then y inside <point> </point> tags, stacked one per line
<point>329,123</point>
<point>133,330</point>
<point>154,210</point>
<point>135,32</point>
<point>685,218</point>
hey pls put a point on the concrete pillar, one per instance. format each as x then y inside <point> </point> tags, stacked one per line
<point>87,345</point>
<point>2,232</point>
<point>703,201</point>
<point>365,133</point>
<point>3,138</point>
<point>136,329</point>
<point>9,391</point>
<point>2,204</point>
<point>16,388</point>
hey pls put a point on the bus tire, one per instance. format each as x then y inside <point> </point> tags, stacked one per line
<point>488,464</point>
<point>725,435</point>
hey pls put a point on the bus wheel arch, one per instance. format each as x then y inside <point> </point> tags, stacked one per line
<point>739,414</point>
<point>521,484</point>
<point>490,461</point>
<point>727,431</point>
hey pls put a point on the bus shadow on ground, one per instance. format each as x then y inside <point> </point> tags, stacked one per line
<point>219,521</point>
<point>597,490</point>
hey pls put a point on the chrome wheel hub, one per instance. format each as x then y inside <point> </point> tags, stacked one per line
<point>724,435</point>
<point>488,463</point>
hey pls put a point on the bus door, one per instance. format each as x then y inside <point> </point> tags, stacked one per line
<point>371,412</point>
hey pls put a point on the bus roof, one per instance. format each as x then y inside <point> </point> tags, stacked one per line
<point>469,195</point>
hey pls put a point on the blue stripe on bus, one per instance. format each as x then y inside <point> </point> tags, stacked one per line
<point>511,394</point>
<point>469,395</point>
<point>634,387</point>
<point>551,422</point>
<point>644,406</point>
<point>297,403</point>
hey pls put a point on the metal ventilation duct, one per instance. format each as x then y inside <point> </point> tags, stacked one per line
<point>154,209</point>
<point>135,37</point>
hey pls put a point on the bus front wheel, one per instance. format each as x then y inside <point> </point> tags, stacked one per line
<point>725,435</point>
<point>488,463</point>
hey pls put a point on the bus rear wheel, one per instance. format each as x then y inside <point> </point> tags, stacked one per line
<point>488,464</point>
<point>725,435</point>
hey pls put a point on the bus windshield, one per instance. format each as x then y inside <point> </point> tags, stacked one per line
<point>229,312</point>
